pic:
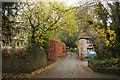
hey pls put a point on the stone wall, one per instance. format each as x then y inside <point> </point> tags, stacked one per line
<point>83,47</point>
<point>34,60</point>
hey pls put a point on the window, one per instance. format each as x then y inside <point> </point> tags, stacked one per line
<point>90,45</point>
<point>21,43</point>
<point>10,44</point>
<point>89,49</point>
<point>82,40</point>
<point>4,44</point>
<point>18,44</point>
<point>89,41</point>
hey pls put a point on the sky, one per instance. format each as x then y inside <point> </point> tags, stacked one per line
<point>74,2</point>
<point>68,2</point>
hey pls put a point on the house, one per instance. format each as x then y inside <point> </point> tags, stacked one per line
<point>19,41</point>
<point>85,44</point>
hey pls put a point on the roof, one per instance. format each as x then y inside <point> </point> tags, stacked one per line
<point>17,38</point>
<point>87,35</point>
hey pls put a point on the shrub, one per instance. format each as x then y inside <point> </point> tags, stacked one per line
<point>14,52</point>
<point>64,54</point>
<point>112,62</point>
<point>73,50</point>
<point>6,52</point>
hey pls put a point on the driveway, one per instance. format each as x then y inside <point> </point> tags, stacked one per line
<point>71,67</point>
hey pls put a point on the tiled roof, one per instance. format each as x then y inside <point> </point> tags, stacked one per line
<point>86,35</point>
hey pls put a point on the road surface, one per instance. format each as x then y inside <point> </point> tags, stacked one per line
<point>71,67</point>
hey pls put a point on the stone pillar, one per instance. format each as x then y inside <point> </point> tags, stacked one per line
<point>79,49</point>
<point>23,44</point>
<point>9,44</point>
<point>85,48</point>
<point>20,44</point>
<point>16,44</point>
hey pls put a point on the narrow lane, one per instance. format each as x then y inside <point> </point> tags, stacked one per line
<point>71,67</point>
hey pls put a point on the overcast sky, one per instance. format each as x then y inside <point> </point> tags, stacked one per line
<point>68,2</point>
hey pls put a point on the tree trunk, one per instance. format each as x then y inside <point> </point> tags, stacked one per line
<point>33,36</point>
<point>96,48</point>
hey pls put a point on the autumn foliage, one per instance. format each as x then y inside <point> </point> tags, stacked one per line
<point>56,49</point>
<point>16,52</point>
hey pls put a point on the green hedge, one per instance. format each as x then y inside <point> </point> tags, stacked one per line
<point>28,63</point>
<point>73,50</point>
<point>52,61</point>
<point>107,65</point>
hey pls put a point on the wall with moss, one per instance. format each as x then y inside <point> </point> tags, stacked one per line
<point>28,63</point>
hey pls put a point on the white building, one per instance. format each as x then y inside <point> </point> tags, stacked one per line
<point>19,41</point>
<point>85,45</point>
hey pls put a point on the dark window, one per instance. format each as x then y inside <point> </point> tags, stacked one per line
<point>4,44</point>
<point>89,49</point>
<point>18,44</point>
<point>10,44</point>
<point>90,45</point>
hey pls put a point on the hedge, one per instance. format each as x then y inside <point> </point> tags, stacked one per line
<point>107,65</point>
<point>73,50</point>
<point>14,52</point>
<point>56,49</point>
<point>109,70</point>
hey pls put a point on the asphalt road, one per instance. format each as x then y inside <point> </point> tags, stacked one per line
<point>71,67</point>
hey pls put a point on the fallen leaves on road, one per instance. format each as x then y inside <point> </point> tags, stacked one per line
<point>30,75</point>
<point>87,68</point>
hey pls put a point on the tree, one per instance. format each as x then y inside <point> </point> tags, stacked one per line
<point>108,35</point>
<point>69,40</point>
<point>115,25</point>
<point>42,19</point>
<point>8,10</point>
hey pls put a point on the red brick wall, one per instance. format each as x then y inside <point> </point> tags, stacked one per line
<point>56,49</point>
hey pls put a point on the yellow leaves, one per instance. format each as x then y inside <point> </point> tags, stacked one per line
<point>112,35</point>
<point>111,32</point>
<point>111,38</point>
<point>85,16</point>
<point>45,14</point>
<point>108,27</point>
<point>97,8</point>
<point>36,7</point>
<point>89,16</point>
<point>107,43</point>
<point>101,30</point>
<point>98,26</point>
<point>102,34</point>
<point>99,21</point>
